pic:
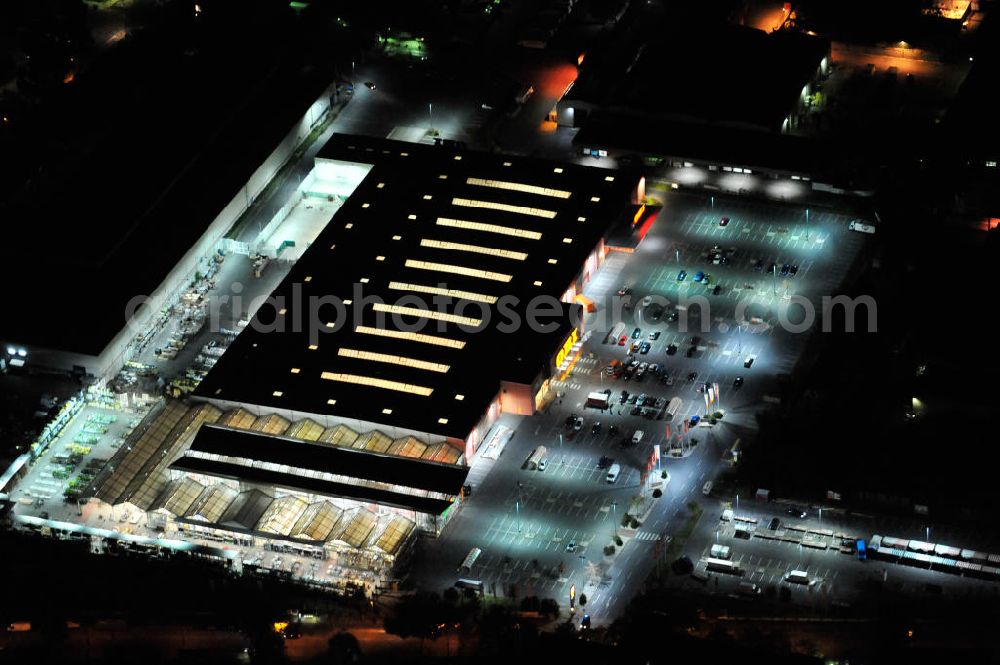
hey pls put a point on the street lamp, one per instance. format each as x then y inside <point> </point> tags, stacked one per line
<point>614,516</point>
<point>807,224</point>
<point>430,112</point>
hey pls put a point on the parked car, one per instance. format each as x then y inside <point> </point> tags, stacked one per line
<point>655,335</point>
<point>671,349</point>
<point>724,221</point>
<point>682,275</point>
<point>637,333</point>
<point>774,524</point>
<point>622,340</point>
<point>595,428</point>
<point>698,276</point>
<point>737,382</point>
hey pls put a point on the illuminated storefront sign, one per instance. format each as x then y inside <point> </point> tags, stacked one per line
<point>567,347</point>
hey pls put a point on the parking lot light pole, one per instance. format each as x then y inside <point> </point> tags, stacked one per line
<point>807,224</point>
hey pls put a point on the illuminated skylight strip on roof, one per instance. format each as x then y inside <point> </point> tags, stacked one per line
<point>394,360</point>
<point>412,337</point>
<point>475,249</point>
<point>385,384</point>
<point>427,314</point>
<point>458,270</point>
<point>505,207</point>
<point>437,290</point>
<point>488,228</point>
<point>519,187</point>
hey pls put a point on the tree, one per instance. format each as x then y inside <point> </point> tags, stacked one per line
<point>548,608</point>
<point>342,649</point>
<point>418,615</point>
<point>583,600</point>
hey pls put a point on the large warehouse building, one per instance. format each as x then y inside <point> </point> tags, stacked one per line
<point>352,404</point>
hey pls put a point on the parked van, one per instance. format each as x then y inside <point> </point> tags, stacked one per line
<point>637,437</point>
<point>613,472</point>
<point>798,577</point>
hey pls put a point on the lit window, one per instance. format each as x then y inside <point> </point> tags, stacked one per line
<point>427,197</point>
<point>365,205</point>
<point>282,311</point>
<point>313,347</point>
<point>520,187</point>
<point>442,177</point>
<point>443,421</point>
<point>348,301</point>
<point>427,314</point>
<point>397,237</point>
<point>437,290</point>
<point>387,411</point>
<point>348,226</point>
<point>537,283</point>
<point>404,154</point>
<point>385,384</point>
<point>459,397</point>
<point>333,247</point>
<point>567,240</point>
<point>507,164</point>
<point>411,337</point>
<point>394,360</point>
<point>458,270</point>
<point>296,370</point>
<point>488,228</point>
<point>380,185</point>
<point>458,158</point>
<point>411,216</point>
<point>557,170</point>
<point>505,207</point>
<point>277,393</point>
<point>330,324</point>
<point>308,278</point>
<point>595,199</point>
<point>380,258</point>
<point>475,249</point>
<point>609,178</point>
<point>581,219</point>
<point>331,402</point>
<point>363,280</point>
<point>553,261</point>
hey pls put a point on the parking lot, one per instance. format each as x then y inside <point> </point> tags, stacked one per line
<point>523,519</point>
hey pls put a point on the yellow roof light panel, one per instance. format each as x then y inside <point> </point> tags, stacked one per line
<point>595,199</point>
<point>363,280</point>
<point>458,158</point>
<point>380,185</point>
<point>557,170</point>
<point>282,311</point>
<point>505,207</point>
<point>567,240</point>
<point>507,164</point>
<point>427,197</point>
<point>365,205</point>
<point>443,421</point>
<point>458,270</point>
<point>331,402</point>
<point>440,291</point>
<point>307,278</point>
<point>397,237</point>
<point>442,177</point>
<point>488,228</point>
<point>411,216</point>
<point>387,411</point>
<point>411,337</point>
<point>521,187</point>
<point>348,301</point>
<point>296,370</point>
<point>537,283</point>
<point>459,397</point>
<point>380,258</point>
<point>553,261</point>
<point>427,314</point>
<point>609,178</point>
<point>581,219</point>
<point>277,393</point>
<point>348,225</point>
<point>313,347</point>
<point>394,360</point>
<point>374,382</point>
<point>475,249</point>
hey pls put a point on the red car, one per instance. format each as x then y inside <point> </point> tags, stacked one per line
<point>622,340</point>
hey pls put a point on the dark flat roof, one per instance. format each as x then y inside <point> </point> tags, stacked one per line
<point>730,74</point>
<point>397,236</point>
<point>307,456</point>
<point>100,228</point>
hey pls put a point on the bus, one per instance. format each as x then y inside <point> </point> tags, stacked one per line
<point>470,559</point>
<point>722,566</point>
